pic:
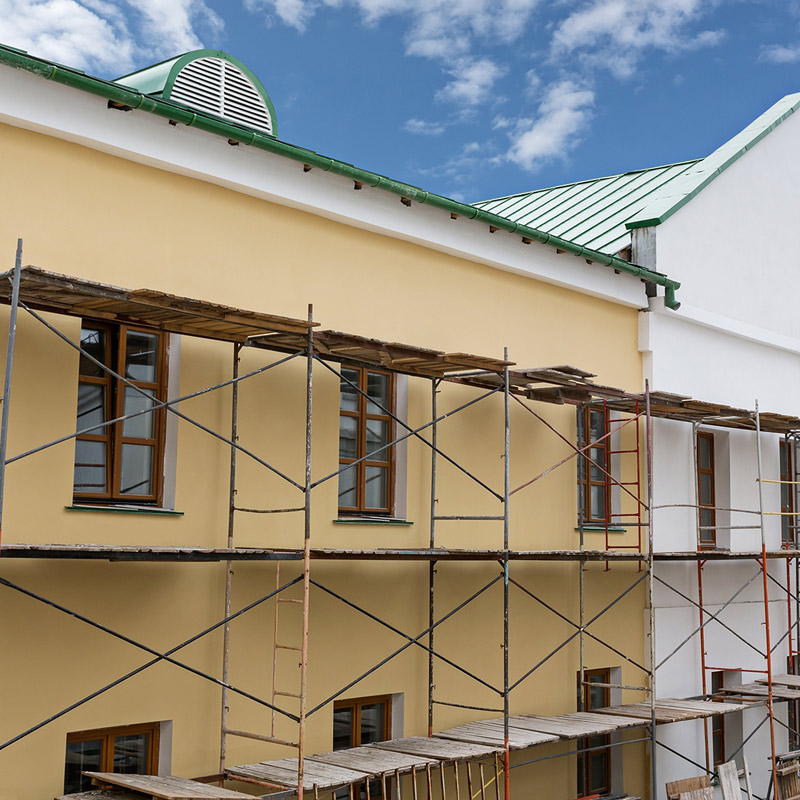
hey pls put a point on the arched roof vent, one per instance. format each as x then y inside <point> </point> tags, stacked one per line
<point>210,81</point>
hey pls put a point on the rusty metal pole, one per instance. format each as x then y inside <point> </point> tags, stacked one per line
<point>767,635</point>
<point>507,428</point>
<point>432,543</point>
<point>226,632</point>
<point>301,737</point>
<point>12,333</point>
<point>580,419</point>
<point>650,594</point>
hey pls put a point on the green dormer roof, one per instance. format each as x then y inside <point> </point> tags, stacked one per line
<point>211,81</point>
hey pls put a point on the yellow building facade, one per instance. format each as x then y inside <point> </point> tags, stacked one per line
<point>98,207</point>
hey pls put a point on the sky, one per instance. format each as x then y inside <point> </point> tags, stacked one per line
<point>471,99</point>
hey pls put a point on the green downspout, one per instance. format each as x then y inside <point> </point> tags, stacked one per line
<point>135,100</point>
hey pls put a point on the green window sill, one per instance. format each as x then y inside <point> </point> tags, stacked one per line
<point>602,529</point>
<point>158,512</point>
<point>371,521</point>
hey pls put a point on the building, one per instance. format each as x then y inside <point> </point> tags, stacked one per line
<point>734,342</point>
<point>455,577</point>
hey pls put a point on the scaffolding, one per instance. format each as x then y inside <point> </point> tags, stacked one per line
<point>485,747</point>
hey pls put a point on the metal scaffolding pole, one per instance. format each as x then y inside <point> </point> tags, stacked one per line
<point>650,593</point>
<point>580,420</point>
<point>12,332</point>
<point>432,543</point>
<point>226,635</point>
<point>507,442</point>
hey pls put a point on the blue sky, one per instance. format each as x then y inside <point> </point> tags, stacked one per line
<point>468,98</point>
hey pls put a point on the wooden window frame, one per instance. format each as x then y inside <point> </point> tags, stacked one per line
<point>361,415</point>
<point>589,517</point>
<point>112,436</point>
<point>718,722</point>
<point>356,703</point>
<point>707,539</point>
<point>787,477</point>
<point>584,759</point>
<point>108,735</point>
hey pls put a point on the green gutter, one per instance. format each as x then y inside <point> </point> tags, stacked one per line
<point>130,98</point>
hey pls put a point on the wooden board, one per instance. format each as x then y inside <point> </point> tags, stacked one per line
<point>574,726</point>
<point>101,794</point>
<point>372,760</point>
<point>762,690</point>
<point>697,794</point>
<point>284,773</point>
<point>729,781</point>
<point>783,680</point>
<point>492,733</point>
<point>442,749</point>
<point>673,710</point>
<point>685,785</point>
<point>167,787</point>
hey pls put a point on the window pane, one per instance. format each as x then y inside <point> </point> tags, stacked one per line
<point>598,500</point>
<point>348,437</point>
<point>91,407</point>
<point>137,469</point>
<point>93,341</point>
<point>377,436</point>
<point>373,723</point>
<point>141,356</point>
<point>597,425</point>
<point>598,457</point>
<point>348,396</point>
<point>142,427</point>
<point>597,694</point>
<point>376,488</point>
<point>130,753</point>
<point>347,488</point>
<point>342,728</point>
<point>706,523</point>
<point>82,756</point>
<point>706,489</point>
<point>378,390</point>
<point>704,452</point>
<point>597,767</point>
<point>90,467</point>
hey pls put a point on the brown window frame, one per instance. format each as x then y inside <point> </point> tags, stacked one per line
<point>108,735</point>
<point>388,463</point>
<point>585,759</point>
<point>718,722</point>
<point>113,435</point>
<point>585,473</point>
<point>707,539</point>
<point>787,478</point>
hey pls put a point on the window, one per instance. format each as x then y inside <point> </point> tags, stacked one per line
<point>594,768</point>
<point>787,495</point>
<point>121,462</point>
<point>718,722</point>
<point>706,494</point>
<point>364,427</point>
<point>793,668</point>
<point>595,482</point>
<point>361,721</point>
<point>131,749</point>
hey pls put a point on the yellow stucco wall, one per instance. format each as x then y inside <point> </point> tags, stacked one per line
<point>86,213</point>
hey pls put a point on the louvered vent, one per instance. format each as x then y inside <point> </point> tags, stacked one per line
<point>217,86</point>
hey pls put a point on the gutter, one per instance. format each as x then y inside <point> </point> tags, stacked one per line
<point>131,99</point>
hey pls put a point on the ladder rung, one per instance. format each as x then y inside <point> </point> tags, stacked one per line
<point>287,647</point>
<point>289,600</point>
<point>260,737</point>
<point>288,694</point>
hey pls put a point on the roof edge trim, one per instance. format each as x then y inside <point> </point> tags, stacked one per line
<point>725,159</point>
<point>209,123</point>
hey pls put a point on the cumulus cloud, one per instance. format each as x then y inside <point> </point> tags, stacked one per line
<point>472,81</point>
<point>423,128</point>
<point>562,117</point>
<point>616,33</point>
<point>780,54</point>
<point>105,36</point>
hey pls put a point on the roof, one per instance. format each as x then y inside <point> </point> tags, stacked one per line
<point>592,212</point>
<point>600,213</point>
<point>123,97</point>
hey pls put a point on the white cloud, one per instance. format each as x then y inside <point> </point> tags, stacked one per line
<point>423,128</point>
<point>561,119</point>
<point>105,36</point>
<point>472,81</point>
<point>614,34</point>
<point>780,54</point>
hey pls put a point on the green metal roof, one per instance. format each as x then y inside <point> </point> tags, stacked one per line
<point>121,96</point>
<point>600,213</point>
<point>592,213</point>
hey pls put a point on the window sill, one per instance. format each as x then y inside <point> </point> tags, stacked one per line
<point>602,529</point>
<point>158,512</point>
<point>371,521</point>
